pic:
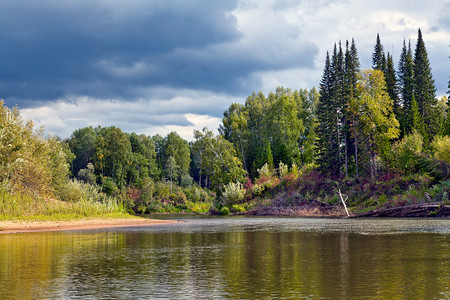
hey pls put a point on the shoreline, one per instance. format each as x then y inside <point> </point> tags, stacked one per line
<point>82,224</point>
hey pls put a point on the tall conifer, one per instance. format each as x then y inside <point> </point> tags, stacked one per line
<point>406,87</point>
<point>425,90</point>
<point>391,85</point>
<point>326,143</point>
<point>351,77</point>
<point>338,100</point>
<point>378,56</point>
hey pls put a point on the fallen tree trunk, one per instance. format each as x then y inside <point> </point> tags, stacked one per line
<point>426,210</point>
<point>314,208</point>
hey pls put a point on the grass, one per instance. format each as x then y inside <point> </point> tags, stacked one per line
<point>24,207</point>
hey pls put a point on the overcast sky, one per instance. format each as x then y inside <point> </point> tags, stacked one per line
<point>150,66</point>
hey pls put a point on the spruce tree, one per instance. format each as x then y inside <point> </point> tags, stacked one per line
<point>351,77</point>
<point>425,90</point>
<point>338,100</point>
<point>416,120</point>
<point>326,117</point>
<point>406,88</point>
<point>390,78</point>
<point>378,57</point>
<point>391,85</point>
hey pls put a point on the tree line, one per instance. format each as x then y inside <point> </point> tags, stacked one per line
<point>358,125</point>
<point>344,128</point>
<point>363,113</point>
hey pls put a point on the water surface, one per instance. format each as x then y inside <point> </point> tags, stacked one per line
<point>237,258</point>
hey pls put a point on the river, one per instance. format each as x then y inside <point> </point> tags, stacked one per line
<point>233,258</point>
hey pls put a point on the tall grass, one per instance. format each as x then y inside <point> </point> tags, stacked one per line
<point>87,203</point>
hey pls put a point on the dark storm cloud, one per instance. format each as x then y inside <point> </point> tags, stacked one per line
<point>53,48</point>
<point>117,49</point>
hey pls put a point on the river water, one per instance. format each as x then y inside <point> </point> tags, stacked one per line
<point>233,258</point>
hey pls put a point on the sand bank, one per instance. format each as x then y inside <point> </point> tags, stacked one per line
<point>35,226</point>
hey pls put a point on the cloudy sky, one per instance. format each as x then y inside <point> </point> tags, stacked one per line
<point>155,66</point>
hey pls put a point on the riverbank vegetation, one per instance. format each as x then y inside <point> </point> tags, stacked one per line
<point>34,177</point>
<point>378,136</point>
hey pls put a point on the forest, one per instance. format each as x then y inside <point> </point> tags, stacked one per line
<point>379,136</point>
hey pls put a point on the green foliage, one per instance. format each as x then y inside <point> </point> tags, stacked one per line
<point>82,143</point>
<point>233,193</point>
<point>109,186</point>
<point>171,169</point>
<point>405,153</point>
<point>441,148</point>
<point>425,90</point>
<point>265,172</point>
<point>273,129</point>
<point>224,211</point>
<point>373,113</point>
<point>29,163</point>
<point>283,169</point>
<point>378,56</point>
<point>87,175</point>
<point>236,208</point>
<point>218,160</point>
<point>406,87</point>
<point>176,147</point>
<point>83,200</point>
<point>440,192</point>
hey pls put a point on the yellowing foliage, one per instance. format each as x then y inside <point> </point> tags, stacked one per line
<point>29,163</point>
<point>441,147</point>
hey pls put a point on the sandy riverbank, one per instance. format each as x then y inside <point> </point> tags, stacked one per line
<point>35,226</point>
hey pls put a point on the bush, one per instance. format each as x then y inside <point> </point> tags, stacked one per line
<point>109,186</point>
<point>29,163</point>
<point>83,200</point>
<point>283,169</point>
<point>178,198</point>
<point>237,208</point>
<point>234,193</point>
<point>162,190</point>
<point>87,175</point>
<point>265,172</point>
<point>155,207</point>
<point>441,148</point>
<point>197,194</point>
<point>186,181</point>
<point>403,156</point>
<point>147,190</point>
<point>224,211</point>
<point>213,210</point>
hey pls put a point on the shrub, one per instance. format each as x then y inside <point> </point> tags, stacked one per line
<point>403,156</point>
<point>178,198</point>
<point>186,181</point>
<point>109,186</point>
<point>237,208</point>
<point>283,169</point>
<point>147,190</point>
<point>162,190</point>
<point>441,148</point>
<point>294,170</point>
<point>197,194</point>
<point>213,210</point>
<point>87,175</point>
<point>224,211</point>
<point>265,172</point>
<point>233,193</point>
<point>155,207</point>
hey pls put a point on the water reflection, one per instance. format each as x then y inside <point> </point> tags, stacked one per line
<point>238,258</point>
